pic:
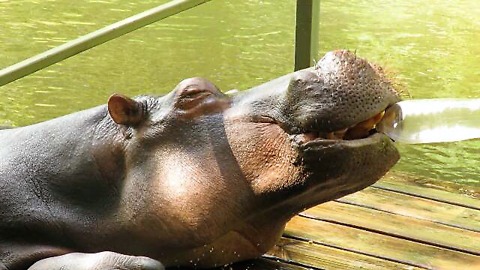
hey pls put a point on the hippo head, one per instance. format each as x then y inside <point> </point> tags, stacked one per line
<point>213,178</point>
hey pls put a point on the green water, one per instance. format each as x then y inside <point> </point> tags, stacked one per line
<point>429,47</point>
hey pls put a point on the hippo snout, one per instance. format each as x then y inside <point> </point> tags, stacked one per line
<point>341,91</point>
<point>324,117</point>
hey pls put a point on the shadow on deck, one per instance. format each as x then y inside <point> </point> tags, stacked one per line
<point>395,224</point>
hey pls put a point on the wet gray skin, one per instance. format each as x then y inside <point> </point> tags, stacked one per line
<point>195,177</point>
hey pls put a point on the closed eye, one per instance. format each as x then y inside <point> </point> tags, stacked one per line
<point>191,97</point>
<point>194,93</point>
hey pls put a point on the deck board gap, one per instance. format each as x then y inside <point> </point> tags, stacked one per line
<point>411,239</point>
<point>292,262</point>
<point>426,197</point>
<point>408,216</point>
<point>406,263</point>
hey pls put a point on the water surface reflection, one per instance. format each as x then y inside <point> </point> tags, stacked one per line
<point>431,48</point>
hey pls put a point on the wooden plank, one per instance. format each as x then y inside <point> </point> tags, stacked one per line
<point>319,256</point>
<point>416,207</point>
<point>404,184</point>
<point>398,226</point>
<point>380,246</point>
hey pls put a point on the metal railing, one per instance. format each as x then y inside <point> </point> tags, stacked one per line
<point>307,22</point>
<point>305,39</point>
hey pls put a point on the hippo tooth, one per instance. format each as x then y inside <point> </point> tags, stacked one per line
<point>362,129</point>
<point>339,134</point>
<point>305,137</point>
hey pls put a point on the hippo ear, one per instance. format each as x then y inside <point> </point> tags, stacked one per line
<point>124,110</point>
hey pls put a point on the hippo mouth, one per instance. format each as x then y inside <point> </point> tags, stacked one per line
<point>362,130</point>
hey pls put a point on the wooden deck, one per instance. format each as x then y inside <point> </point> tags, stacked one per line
<point>395,224</point>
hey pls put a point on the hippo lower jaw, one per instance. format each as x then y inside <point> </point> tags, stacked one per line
<point>359,155</point>
<point>337,165</point>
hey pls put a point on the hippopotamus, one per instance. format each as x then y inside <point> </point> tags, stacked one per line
<point>195,177</point>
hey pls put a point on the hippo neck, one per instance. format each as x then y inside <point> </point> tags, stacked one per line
<point>57,180</point>
<point>76,155</point>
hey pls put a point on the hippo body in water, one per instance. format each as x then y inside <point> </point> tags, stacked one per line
<point>192,178</point>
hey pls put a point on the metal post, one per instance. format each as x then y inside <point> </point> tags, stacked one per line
<point>93,39</point>
<point>306,32</point>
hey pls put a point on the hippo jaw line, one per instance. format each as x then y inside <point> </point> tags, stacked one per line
<point>319,143</point>
<point>358,133</point>
<point>312,142</point>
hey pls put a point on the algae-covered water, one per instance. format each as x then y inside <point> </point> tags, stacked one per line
<point>429,47</point>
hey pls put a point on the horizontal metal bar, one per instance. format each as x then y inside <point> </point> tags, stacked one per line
<point>57,54</point>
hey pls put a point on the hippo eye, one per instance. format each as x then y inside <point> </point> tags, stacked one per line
<point>190,97</point>
<point>196,97</point>
<point>194,93</point>
<point>193,102</point>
